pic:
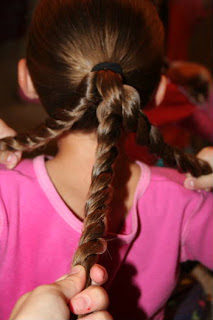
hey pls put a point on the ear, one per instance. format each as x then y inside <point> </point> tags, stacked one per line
<point>159,96</point>
<point>25,81</point>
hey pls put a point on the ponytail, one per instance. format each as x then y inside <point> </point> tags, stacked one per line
<point>109,113</point>
<point>150,136</point>
<point>61,121</point>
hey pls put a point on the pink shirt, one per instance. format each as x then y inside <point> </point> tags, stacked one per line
<point>39,234</point>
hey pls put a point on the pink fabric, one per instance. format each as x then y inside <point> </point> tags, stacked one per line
<point>38,235</point>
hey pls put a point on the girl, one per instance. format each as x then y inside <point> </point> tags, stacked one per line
<point>94,65</point>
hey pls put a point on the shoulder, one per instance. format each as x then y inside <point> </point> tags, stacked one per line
<point>165,190</point>
<point>159,179</point>
<point>15,187</point>
<point>167,203</point>
<point>20,188</point>
<point>170,182</point>
<point>166,175</point>
<point>24,170</point>
<point>22,178</point>
<point>167,181</point>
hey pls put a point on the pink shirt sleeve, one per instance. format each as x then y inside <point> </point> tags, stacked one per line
<point>197,235</point>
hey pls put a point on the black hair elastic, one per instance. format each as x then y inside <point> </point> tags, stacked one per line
<point>108,66</point>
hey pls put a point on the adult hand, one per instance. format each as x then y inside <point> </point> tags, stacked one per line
<point>204,182</point>
<point>54,301</point>
<point>10,159</point>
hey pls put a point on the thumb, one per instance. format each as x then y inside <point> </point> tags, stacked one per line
<point>5,130</point>
<point>73,283</point>
<point>201,183</point>
<point>11,159</point>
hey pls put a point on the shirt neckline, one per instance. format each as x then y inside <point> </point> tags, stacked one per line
<point>70,218</point>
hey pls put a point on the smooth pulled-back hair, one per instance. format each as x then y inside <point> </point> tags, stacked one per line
<point>67,38</point>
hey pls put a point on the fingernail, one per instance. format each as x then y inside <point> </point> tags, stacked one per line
<point>103,276</point>
<point>17,153</point>
<point>76,270</point>
<point>80,304</point>
<point>103,273</point>
<point>12,160</point>
<point>189,183</point>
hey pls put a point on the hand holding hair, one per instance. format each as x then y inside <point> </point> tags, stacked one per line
<point>54,301</point>
<point>10,159</point>
<point>204,182</point>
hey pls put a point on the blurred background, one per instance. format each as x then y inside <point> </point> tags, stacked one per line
<point>15,17</point>
<point>187,114</point>
<point>188,26</point>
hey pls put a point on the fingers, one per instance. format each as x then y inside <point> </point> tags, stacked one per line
<point>10,159</point>
<point>102,315</point>
<point>201,183</point>
<point>206,154</point>
<point>204,182</point>
<point>94,298</point>
<point>19,304</point>
<point>73,283</point>
<point>63,277</point>
<point>98,274</point>
<point>69,289</point>
<point>5,130</point>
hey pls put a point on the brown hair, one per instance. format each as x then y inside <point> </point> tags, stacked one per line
<point>66,40</point>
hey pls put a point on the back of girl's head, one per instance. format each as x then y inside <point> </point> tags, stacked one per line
<point>68,38</point>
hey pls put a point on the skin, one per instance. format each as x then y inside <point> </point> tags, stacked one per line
<point>9,159</point>
<point>203,182</point>
<point>54,301</point>
<point>71,169</point>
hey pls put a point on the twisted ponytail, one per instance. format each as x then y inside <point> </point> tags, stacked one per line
<point>120,109</point>
<point>109,113</point>
<point>150,136</point>
<point>50,130</point>
<point>63,121</point>
<point>135,120</point>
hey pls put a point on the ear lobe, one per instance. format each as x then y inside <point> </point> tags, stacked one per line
<point>161,91</point>
<point>25,81</point>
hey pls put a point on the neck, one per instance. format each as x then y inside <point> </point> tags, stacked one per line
<point>70,171</point>
<point>75,156</point>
